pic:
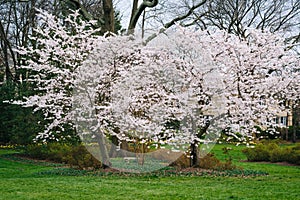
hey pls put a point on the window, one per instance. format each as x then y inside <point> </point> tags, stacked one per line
<point>283,121</point>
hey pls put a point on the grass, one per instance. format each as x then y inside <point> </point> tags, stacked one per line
<point>21,180</point>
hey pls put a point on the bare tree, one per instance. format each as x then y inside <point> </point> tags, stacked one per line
<point>18,19</point>
<point>235,16</point>
<point>16,22</point>
<point>101,10</point>
<point>137,12</point>
<point>163,13</point>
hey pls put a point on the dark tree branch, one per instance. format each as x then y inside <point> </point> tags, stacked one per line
<point>175,20</point>
<point>7,45</point>
<point>137,13</point>
<point>82,9</point>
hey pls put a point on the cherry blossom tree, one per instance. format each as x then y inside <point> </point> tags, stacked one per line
<point>60,48</point>
<point>142,89</point>
<point>116,86</point>
<point>263,76</point>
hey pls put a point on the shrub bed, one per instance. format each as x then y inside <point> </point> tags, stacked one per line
<point>76,156</point>
<point>207,162</point>
<point>272,152</point>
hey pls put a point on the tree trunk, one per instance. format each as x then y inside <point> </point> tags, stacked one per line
<point>134,9</point>
<point>7,49</point>
<point>103,150</point>
<point>109,19</point>
<point>195,157</point>
<point>295,122</point>
<point>113,153</point>
<point>136,12</point>
<point>113,150</point>
<point>195,153</point>
<point>140,150</point>
<point>294,134</point>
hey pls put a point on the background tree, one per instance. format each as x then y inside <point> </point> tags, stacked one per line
<point>233,16</point>
<point>17,20</point>
<point>101,10</point>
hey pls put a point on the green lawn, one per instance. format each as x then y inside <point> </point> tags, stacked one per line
<point>25,181</point>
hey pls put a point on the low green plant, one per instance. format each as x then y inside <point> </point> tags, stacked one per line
<point>76,156</point>
<point>277,154</point>
<point>293,156</point>
<point>209,161</point>
<point>36,151</point>
<point>272,152</point>
<point>79,157</point>
<point>259,153</point>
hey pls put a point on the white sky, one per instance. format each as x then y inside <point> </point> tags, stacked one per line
<point>124,6</point>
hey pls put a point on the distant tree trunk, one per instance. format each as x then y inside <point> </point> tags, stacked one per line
<point>137,11</point>
<point>295,121</point>
<point>134,9</point>
<point>143,24</point>
<point>294,134</point>
<point>109,16</point>
<point>6,50</point>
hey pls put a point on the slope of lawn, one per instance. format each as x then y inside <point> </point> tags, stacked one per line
<point>21,180</point>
